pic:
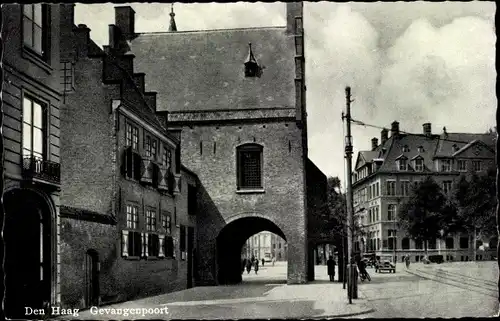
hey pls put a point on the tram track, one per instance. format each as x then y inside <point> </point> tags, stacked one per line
<point>459,281</point>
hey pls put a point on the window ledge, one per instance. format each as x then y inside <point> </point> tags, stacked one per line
<point>36,59</point>
<point>250,191</point>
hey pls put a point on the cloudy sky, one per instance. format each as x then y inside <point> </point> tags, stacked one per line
<point>412,62</point>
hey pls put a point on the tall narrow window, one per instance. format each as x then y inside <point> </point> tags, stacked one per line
<point>476,165</point>
<point>391,187</point>
<point>419,165</point>
<point>154,148</point>
<point>447,187</point>
<point>34,27</point>
<point>33,128</point>
<point>391,212</point>
<point>147,145</point>
<point>405,188</point>
<point>446,165</point>
<point>134,236</point>
<point>153,240</point>
<point>132,138</point>
<point>462,165</point>
<point>403,164</point>
<point>249,166</point>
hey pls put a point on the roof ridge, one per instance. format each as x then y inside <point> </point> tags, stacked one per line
<point>157,33</point>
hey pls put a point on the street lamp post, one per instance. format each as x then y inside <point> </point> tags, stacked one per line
<point>351,281</point>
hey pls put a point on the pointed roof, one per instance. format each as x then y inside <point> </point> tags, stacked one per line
<point>251,57</point>
<point>173,26</point>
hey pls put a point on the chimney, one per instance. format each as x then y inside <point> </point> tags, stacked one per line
<point>150,97</point>
<point>67,16</point>
<point>427,129</point>
<point>384,135</point>
<point>139,81</point>
<point>82,34</point>
<point>293,10</point>
<point>113,37</point>
<point>125,20</point>
<point>374,143</point>
<point>394,128</point>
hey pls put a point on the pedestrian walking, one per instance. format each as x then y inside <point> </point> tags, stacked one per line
<point>274,260</point>
<point>263,262</point>
<point>243,265</point>
<point>407,261</point>
<point>256,266</point>
<point>249,266</point>
<point>330,263</point>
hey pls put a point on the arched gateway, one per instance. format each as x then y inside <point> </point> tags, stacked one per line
<point>230,241</point>
<point>28,251</point>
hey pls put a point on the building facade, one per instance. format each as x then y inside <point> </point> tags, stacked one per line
<point>32,99</point>
<point>383,178</point>
<point>237,99</point>
<point>126,231</point>
<point>265,245</point>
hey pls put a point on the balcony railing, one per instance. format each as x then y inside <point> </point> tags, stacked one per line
<point>38,168</point>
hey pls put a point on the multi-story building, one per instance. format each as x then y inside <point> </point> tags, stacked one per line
<point>265,245</point>
<point>127,215</point>
<point>237,99</point>
<point>32,97</point>
<point>383,177</point>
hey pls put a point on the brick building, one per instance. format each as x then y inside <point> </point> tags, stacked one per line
<point>384,175</point>
<point>240,113</point>
<point>31,104</point>
<point>126,230</point>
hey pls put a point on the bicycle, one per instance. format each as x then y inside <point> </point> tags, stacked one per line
<point>364,276</point>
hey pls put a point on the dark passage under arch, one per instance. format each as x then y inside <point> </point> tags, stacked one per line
<point>230,241</point>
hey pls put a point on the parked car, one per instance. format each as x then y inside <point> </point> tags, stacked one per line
<point>385,263</point>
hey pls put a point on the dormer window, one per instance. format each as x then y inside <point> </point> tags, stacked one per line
<point>420,149</point>
<point>403,164</point>
<point>406,149</point>
<point>419,165</point>
<point>252,68</point>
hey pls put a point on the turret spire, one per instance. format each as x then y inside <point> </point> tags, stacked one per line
<point>173,26</point>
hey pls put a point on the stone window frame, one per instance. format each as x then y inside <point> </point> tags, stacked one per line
<point>462,162</point>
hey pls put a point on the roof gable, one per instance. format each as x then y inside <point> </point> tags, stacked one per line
<point>204,70</point>
<point>474,149</point>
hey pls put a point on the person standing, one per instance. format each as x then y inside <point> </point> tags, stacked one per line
<point>263,261</point>
<point>407,261</point>
<point>330,263</point>
<point>249,266</point>
<point>256,267</point>
<point>274,260</point>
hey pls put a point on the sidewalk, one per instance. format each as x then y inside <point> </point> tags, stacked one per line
<point>252,299</point>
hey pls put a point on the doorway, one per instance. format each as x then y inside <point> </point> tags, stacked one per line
<point>28,255</point>
<point>92,278</point>
<point>190,257</point>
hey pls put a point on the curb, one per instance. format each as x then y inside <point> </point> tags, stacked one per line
<point>370,310</point>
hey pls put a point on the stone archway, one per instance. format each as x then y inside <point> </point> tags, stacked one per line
<point>28,251</point>
<point>230,241</point>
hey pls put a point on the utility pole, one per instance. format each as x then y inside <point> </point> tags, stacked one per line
<point>351,265</point>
